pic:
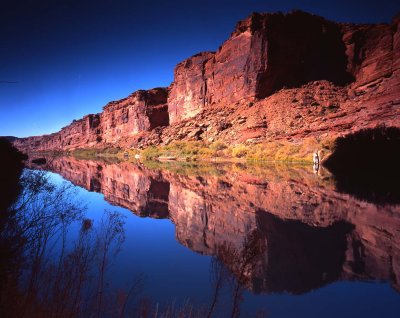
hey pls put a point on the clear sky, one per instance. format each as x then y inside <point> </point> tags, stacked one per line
<point>60,60</point>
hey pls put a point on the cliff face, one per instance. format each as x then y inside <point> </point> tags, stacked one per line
<point>141,111</point>
<point>268,52</point>
<point>302,76</point>
<point>265,53</point>
<point>296,216</point>
<point>277,76</point>
<point>188,94</point>
<point>85,132</point>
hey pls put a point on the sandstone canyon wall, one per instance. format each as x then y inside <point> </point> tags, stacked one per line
<point>142,111</point>
<point>85,132</point>
<point>265,53</point>
<point>277,76</point>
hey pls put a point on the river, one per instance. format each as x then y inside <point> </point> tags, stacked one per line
<point>219,240</point>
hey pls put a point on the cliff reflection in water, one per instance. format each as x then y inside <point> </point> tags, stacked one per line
<point>277,229</point>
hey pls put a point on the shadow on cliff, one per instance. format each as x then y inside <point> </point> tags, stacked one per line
<point>366,164</point>
<point>302,48</point>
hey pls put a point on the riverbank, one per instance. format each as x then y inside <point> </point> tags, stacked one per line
<point>277,151</point>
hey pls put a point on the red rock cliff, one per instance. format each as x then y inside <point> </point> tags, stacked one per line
<point>85,132</point>
<point>188,95</point>
<point>277,76</point>
<point>268,52</point>
<point>141,111</point>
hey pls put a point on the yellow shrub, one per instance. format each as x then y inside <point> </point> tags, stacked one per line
<point>239,151</point>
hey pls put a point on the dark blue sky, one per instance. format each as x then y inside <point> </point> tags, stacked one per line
<point>60,60</point>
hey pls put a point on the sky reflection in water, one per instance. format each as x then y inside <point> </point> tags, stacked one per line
<point>295,273</point>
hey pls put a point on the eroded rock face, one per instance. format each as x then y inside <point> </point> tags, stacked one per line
<point>265,53</point>
<point>278,76</point>
<point>283,51</point>
<point>188,93</point>
<point>370,51</point>
<point>307,234</point>
<point>140,112</point>
<point>85,132</point>
<point>271,52</point>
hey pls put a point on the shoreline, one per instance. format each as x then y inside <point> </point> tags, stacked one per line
<point>300,151</point>
<point>196,152</point>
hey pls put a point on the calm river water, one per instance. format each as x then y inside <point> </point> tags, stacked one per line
<point>158,240</point>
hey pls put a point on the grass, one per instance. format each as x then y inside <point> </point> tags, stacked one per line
<point>286,151</point>
<point>180,150</point>
<point>278,151</point>
<point>300,151</point>
<point>89,153</point>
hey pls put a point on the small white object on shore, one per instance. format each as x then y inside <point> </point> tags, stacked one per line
<point>316,158</point>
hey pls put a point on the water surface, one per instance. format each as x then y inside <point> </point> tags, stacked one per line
<point>225,241</point>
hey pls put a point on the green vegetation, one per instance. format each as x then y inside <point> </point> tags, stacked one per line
<point>89,153</point>
<point>280,151</point>
<point>287,151</point>
<point>180,150</point>
<point>300,151</point>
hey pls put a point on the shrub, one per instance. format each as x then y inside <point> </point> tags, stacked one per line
<point>151,152</point>
<point>218,145</point>
<point>239,151</point>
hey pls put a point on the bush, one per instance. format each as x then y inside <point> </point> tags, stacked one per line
<point>239,151</point>
<point>151,153</point>
<point>218,146</point>
<point>300,150</point>
<point>88,153</point>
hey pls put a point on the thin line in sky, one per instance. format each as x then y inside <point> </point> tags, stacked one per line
<point>8,82</point>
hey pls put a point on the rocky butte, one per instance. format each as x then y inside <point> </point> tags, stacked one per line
<point>278,76</point>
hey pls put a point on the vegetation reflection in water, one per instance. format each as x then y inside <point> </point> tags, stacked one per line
<point>51,275</point>
<point>268,230</point>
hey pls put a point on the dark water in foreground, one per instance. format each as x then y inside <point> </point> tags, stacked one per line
<point>119,239</point>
